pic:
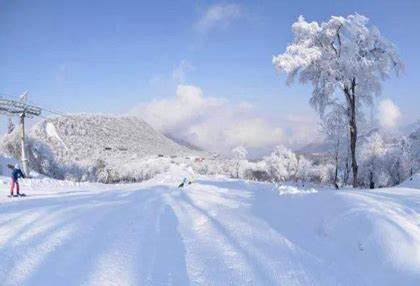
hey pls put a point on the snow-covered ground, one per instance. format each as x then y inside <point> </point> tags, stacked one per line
<point>215,232</point>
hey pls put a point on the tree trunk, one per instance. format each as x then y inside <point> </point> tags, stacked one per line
<point>336,177</point>
<point>336,165</point>
<point>347,169</point>
<point>371,182</point>
<point>351,105</point>
<point>353,143</point>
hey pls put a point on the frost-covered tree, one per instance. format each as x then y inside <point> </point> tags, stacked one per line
<point>304,169</point>
<point>413,149</point>
<point>334,127</point>
<point>372,154</point>
<point>281,164</point>
<point>10,126</point>
<point>345,60</point>
<point>398,162</point>
<point>385,161</point>
<point>239,154</point>
<point>323,173</point>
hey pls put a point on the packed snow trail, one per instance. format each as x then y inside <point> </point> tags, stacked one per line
<point>214,232</point>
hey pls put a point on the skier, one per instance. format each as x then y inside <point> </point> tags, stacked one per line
<point>185,182</point>
<point>16,174</point>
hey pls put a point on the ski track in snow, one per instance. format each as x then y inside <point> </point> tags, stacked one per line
<point>214,232</point>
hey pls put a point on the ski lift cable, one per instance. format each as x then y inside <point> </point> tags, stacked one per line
<point>43,117</point>
<point>48,110</point>
<point>53,112</point>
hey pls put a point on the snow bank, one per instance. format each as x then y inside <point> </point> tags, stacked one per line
<point>412,182</point>
<point>291,190</point>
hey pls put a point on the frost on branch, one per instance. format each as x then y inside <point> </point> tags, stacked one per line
<point>239,156</point>
<point>331,54</point>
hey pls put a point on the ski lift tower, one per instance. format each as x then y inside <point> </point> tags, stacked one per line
<point>21,109</point>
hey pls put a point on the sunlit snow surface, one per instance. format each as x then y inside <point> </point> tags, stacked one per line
<point>215,232</point>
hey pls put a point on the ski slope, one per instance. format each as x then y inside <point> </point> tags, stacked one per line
<point>216,231</point>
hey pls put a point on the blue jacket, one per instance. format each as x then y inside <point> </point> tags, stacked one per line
<point>16,174</point>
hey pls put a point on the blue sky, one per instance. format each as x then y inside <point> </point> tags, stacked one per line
<point>108,56</point>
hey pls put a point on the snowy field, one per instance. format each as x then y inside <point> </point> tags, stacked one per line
<point>215,232</point>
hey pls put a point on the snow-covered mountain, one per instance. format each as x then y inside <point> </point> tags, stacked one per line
<point>183,142</point>
<point>80,146</point>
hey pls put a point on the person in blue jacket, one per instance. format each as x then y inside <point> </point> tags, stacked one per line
<point>16,174</point>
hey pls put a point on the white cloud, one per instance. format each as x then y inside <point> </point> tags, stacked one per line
<point>388,113</point>
<point>211,123</point>
<point>245,106</point>
<point>300,129</point>
<point>254,133</point>
<point>179,73</point>
<point>175,113</point>
<point>219,15</point>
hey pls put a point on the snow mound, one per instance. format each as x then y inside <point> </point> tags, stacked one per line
<point>291,190</point>
<point>412,182</point>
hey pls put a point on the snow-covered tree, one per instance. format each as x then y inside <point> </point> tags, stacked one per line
<point>398,162</point>
<point>413,149</point>
<point>304,169</point>
<point>10,126</point>
<point>334,127</point>
<point>281,164</point>
<point>345,60</point>
<point>239,155</point>
<point>323,173</point>
<point>372,153</point>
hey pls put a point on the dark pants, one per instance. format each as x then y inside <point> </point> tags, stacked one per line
<point>12,186</point>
